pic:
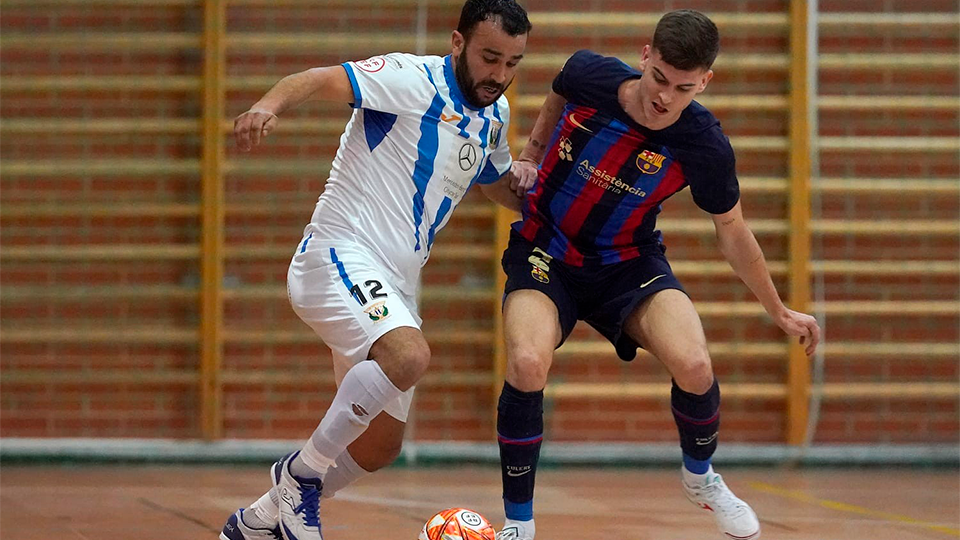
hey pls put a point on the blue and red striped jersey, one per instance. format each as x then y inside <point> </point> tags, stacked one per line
<point>605,176</point>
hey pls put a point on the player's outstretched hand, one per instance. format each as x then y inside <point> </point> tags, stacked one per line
<point>250,126</point>
<point>800,324</point>
<point>523,175</point>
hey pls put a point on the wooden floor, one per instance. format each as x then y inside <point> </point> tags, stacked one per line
<point>192,503</point>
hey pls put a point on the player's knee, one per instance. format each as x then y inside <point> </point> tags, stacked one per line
<point>695,374</point>
<point>410,365</point>
<point>527,369</point>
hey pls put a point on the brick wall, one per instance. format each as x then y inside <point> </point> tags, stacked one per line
<point>107,346</point>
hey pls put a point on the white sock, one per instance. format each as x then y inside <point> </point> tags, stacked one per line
<point>527,529</point>
<point>362,395</point>
<point>263,513</point>
<point>694,479</point>
<point>343,473</point>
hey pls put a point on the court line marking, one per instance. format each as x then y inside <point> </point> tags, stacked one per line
<point>850,508</point>
<point>174,512</point>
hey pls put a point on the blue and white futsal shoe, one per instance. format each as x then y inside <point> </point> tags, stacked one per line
<point>299,502</point>
<point>236,529</point>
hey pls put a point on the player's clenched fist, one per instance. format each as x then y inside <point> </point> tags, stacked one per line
<point>250,126</point>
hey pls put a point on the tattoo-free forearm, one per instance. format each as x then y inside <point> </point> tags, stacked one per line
<point>312,84</point>
<point>741,249</point>
<point>550,113</point>
<point>500,193</point>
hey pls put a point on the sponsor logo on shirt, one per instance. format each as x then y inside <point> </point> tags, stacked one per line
<point>453,118</point>
<point>573,120</point>
<point>649,162</point>
<point>605,180</point>
<point>396,63</point>
<point>468,157</point>
<point>565,149</point>
<point>371,65</point>
<point>453,189</point>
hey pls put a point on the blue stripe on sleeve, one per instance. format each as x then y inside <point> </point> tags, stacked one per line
<point>489,174</point>
<point>357,96</point>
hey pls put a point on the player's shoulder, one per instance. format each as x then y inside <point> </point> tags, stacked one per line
<point>402,60</point>
<point>596,63</point>
<point>702,129</point>
<point>399,64</point>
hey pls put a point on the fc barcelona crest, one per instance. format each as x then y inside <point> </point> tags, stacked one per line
<point>649,162</point>
<point>538,274</point>
<point>496,129</point>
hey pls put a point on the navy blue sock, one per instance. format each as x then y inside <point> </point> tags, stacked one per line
<point>520,434</point>
<point>698,421</point>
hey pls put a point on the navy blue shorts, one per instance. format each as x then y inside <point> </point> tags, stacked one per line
<point>602,296</point>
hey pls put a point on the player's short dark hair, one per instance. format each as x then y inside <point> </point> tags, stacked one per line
<point>687,39</point>
<point>512,17</point>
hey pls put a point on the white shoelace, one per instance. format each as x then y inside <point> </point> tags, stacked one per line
<point>726,502</point>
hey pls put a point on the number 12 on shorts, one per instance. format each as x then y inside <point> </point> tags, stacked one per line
<point>373,289</point>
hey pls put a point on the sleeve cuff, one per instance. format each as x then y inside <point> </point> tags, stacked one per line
<point>357,97</point>
<point>490,174</point>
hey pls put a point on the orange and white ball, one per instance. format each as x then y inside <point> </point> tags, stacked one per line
<point>457,524</point>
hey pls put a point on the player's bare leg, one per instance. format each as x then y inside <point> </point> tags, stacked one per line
<point>530,340</point>
<point>667,325</point>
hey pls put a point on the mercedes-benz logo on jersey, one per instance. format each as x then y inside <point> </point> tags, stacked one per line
<point>468,156</point>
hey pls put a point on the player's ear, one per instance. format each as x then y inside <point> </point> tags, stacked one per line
<point>644,58</point>
<point>705,80</point>
<point>457,43</point>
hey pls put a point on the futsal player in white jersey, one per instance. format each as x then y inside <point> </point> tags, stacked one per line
<point>423,131</point>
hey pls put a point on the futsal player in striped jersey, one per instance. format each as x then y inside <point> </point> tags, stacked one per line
<point>611,144</point>
<point>424,130</point>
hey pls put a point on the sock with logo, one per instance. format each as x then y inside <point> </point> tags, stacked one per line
<point>263,513</point>
<point>344,472</point>
<point>520,434</point>
<point>363,393</point>
<point>698,421</point>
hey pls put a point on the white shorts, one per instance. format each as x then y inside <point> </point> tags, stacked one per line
<point>341,291</point>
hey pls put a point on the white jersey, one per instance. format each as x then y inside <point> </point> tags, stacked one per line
<point>411,150</point>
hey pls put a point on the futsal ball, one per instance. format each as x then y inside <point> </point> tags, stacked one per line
<point>457,524</point>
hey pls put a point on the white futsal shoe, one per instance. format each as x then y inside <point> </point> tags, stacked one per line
<point>299,502</point>
<point>237,529</point>
<point>734,517</point>
<point>513,532</point>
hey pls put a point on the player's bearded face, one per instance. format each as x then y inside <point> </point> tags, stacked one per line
<point>480,93</point>
<point>486,61</point>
